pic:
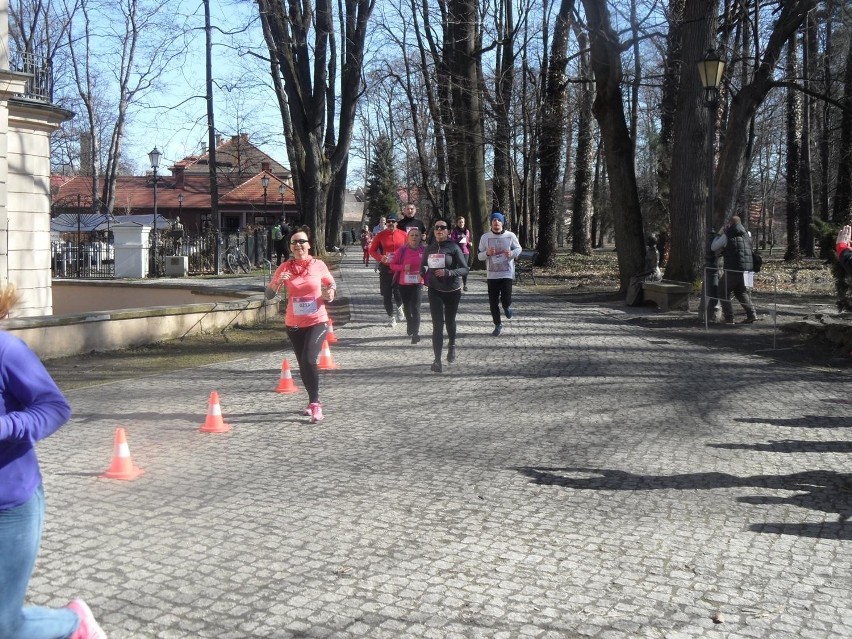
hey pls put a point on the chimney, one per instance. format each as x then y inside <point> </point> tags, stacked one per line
<point>264,166</point>
<point>177,173</point>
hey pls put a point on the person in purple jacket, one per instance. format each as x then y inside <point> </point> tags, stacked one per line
<point>31,408</point>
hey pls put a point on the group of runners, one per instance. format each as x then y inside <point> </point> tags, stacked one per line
<point>406,264</point>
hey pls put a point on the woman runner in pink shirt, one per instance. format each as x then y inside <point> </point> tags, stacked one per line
<point>309,286</point>
<point>405,267</point>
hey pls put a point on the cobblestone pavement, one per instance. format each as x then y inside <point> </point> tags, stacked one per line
<point>577,477</point>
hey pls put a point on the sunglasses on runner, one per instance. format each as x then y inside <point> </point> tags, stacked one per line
<point>299,241</point>
<point>441,227</point>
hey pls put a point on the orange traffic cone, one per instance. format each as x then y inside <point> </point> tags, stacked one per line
<point>214,422</point>
<point>122,466</point>
<point>331,337</point>
<point>325,361</point>
<point>285,384</point>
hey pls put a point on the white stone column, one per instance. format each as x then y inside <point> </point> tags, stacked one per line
<point>131,250</point>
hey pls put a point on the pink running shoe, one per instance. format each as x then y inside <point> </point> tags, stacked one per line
<point>307,412</point>
<point>316,413</point>
<point>88,628</point>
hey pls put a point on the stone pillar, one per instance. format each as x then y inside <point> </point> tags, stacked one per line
<point>131,250</point>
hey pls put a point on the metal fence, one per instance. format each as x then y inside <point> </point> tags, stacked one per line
<point>95,259</point>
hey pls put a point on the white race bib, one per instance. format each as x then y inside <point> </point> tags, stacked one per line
<point>437,260</point>
<point>304,306</point>
<point>411,278</point>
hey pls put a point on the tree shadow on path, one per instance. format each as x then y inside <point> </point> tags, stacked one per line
<point>820,490</point>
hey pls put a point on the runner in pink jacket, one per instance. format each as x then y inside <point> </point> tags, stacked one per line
<point>405,266</point>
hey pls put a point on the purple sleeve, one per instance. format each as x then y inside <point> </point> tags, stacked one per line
<point>34,407</point>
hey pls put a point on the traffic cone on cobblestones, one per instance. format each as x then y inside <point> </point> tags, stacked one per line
<point>214,422</point>
<point>331,337</point>
<point>122,466</point>
<point>285,384</point>
<point>325,361</point>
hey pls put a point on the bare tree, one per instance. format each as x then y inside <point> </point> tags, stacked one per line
<point>583,206</point>
<point>302,42</point>
<point>116,56</point>
<point>552,136</point>
<point>618,147</point>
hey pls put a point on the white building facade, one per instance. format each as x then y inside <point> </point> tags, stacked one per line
<point>25,128</point>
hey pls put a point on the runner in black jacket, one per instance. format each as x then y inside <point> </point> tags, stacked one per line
<point>442,267</point>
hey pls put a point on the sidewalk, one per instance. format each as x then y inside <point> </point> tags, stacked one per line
<point>577,477</point>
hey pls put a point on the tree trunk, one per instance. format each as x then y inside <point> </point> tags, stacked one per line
<point>581,236</point>
<point>743,105</point>
<point>842,213</point>
<point>505,80</point>
<point>468,156</point>
<point>301,41</point>
<point>618,147</point>
<point>691,221</point>
<point>793,152</point>
<point>552,136</point>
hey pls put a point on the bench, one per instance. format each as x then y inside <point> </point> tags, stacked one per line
<point>524,265</point>
<point>668,295</point>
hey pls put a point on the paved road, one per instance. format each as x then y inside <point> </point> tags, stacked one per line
<point>577,477</point>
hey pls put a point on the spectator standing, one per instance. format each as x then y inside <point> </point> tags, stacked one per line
<point>382,249</point>
<point>735,244</point>
<point>443,264</point>
<point>499,248</point>
<point>405,266</point>
<point>408,220</point>
<point>31,408</point>
<point>309,286</point>
<point>461,236</point>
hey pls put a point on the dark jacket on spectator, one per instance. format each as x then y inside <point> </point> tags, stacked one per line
<point>737,251</point>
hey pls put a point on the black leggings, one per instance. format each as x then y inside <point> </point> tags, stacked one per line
<point>389,290</point>
<point>307,343</point>
<point>411,294</point>
<point>443,306</point>
<point>499,290</point>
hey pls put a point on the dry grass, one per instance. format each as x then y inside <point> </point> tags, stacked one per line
<point>599,272</point>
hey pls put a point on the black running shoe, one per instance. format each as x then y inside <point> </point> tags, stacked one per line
<point>498,329</point>
<point>436,367</point>
<point>451,353</point>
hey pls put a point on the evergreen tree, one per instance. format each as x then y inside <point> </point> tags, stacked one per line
<point>382,197</point>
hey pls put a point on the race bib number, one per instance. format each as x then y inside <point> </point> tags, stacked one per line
<point>389,256</point>
<point>304,306</point>
<point>437,260</point>
<point>411,278</point>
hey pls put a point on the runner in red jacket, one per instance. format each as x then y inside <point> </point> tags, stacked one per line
<point>382,248</point>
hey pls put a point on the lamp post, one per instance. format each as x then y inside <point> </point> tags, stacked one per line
<point>710,70</point>
<point>180,204</point>
<point>154,156</point>
<point>444,199</point>
<point>282,190</point>
<point>264,182</point>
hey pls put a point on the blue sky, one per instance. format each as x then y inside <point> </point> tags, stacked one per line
<point>174,117</point>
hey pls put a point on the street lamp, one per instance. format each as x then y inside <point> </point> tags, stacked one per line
<point>154,156</point>
<point>710,70</point>
<point>180,204</point>
<point>282,190</point>
<point>443,199</point>
<point>264,182</point>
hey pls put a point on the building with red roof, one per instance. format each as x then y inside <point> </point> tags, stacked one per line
<point>183,190</point>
